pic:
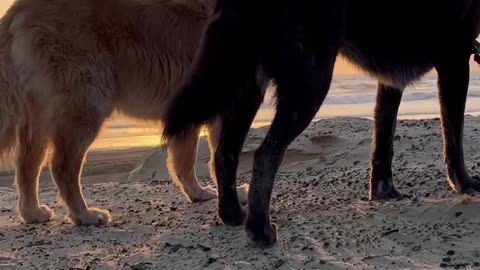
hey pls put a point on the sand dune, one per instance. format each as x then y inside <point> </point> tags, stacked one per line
<point>319,204</point>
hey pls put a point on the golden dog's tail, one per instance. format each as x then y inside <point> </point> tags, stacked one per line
<point>11,98</point>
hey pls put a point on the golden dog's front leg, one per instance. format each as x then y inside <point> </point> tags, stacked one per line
<point>72,139</point>
<point>66,170</point>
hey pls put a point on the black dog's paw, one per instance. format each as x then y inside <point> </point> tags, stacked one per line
<point>232,216</point>
<point>384,190</point>
<point>471,185</point>
<point>465,185</point>
<point>261,236</point>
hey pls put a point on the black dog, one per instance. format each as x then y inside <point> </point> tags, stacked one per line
<point>295,43</point>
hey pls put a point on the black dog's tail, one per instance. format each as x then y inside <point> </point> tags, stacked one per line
<point>222,65</point>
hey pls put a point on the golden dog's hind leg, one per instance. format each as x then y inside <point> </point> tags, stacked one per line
<point>31,155</point>
<point>214,129</point>
<point>74,133</point>
<point>182,155</point>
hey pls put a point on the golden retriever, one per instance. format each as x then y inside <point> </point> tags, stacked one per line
<point>67,65</point>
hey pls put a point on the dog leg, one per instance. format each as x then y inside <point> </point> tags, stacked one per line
<point>214,132</point>
<point>235,126</point>
<point>294,112</point>
<point>31,156</point>
<point>386,109</point>
<point>182,155</point>
<point>453,81</point>
<point>74,133</point>
<point>303,77</point>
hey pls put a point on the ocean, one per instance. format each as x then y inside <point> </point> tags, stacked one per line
<point>349,96</point>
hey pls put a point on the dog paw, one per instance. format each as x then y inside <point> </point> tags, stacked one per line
<point>92,216</point>
<point>261,236</point>
<point>209,193</point>
<point>242,192</point>
<point>470,185</point>
<point>40,214</point>
<point>384,190</point>
<point>202,194</point>
<point>232,216</point>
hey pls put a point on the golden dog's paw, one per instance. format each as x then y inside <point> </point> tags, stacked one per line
<point>204,194</point>
<point>40,214</point>
<point>92,216</point>
<point>242,192</point>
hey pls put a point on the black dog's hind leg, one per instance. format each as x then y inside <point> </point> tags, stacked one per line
<point>386,109</point>
<point>235,126</point>
<point>453,80</point>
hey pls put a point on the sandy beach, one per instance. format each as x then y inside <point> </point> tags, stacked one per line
<point>319,204</point>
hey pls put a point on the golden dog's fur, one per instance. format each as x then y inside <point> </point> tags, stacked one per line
<point>67,65</point>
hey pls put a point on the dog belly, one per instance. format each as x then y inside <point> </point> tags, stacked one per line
<point>144,104</point>
<point>397,41</point>
<point>398,69</point>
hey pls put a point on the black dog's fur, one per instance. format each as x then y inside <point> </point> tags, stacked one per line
<point>295,43</point>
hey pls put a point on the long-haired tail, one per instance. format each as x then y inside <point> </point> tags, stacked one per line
<point>222,66</point>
